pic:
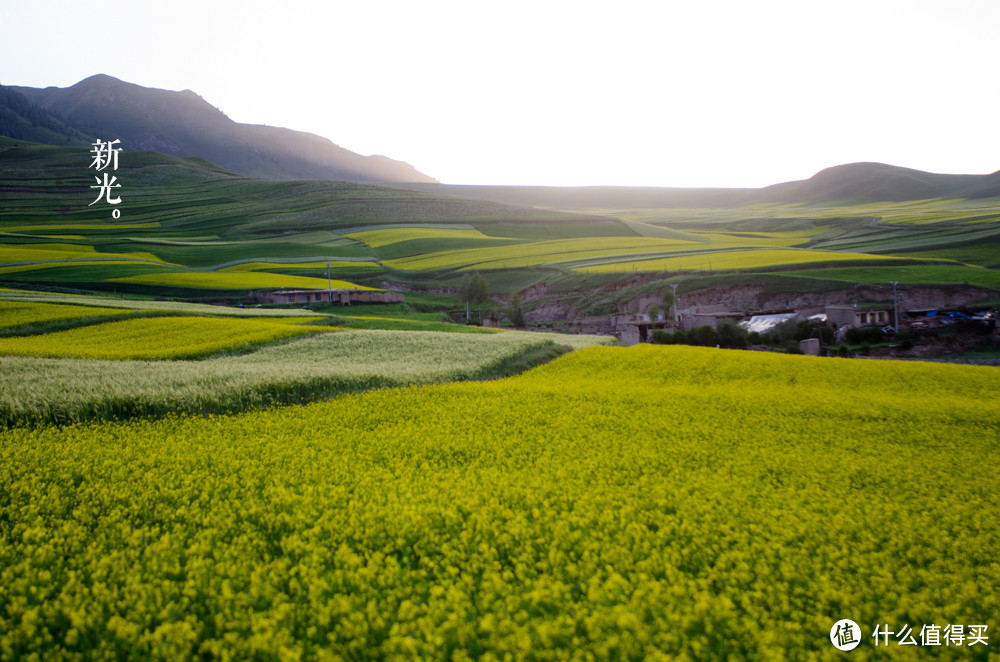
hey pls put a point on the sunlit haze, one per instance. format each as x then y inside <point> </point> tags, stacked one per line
<point>724,93</point>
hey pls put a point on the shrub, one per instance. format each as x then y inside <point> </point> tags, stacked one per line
<point>732,335</point>
<point>661,337</point>
<point>704,336</point>
<point>864,335</point>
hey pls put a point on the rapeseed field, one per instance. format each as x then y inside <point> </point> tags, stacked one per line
<point>735,259</point>
<point>155,338</point>
<point>647,503</point>
<point>225,280</point>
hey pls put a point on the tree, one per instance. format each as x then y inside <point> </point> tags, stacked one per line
<point>703,335</point>
<point>668,301</point>
<point>516,311</point>
<point>474,291</point>
<point>731,335</point>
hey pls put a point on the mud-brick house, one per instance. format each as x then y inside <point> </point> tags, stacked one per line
<point>342,297</point>
<point>840,316</point>
<point>297,296</point>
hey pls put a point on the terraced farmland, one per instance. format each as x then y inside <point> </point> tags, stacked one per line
<point>732,260</point>
<point>389,236</point>
<point>247,280</point>
<point>283,232</point>
<point>536,253</point>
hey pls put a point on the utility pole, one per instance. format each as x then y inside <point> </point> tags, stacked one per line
<point>677,314</point>
<point>329,283</point>
<point>895,307</point>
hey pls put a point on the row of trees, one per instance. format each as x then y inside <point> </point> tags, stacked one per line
<point>727,334</point>
<point>731,335</point>
<point>474,292</point>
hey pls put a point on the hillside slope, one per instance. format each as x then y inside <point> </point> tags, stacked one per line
<point>22,120</point>
<point>203,197</point>
<point>184,124</point>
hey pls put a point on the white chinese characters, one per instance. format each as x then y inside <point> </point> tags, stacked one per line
<point>932,635</point>
<point>105,155</point>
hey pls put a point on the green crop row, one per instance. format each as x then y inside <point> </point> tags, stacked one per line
<point>34,390</point>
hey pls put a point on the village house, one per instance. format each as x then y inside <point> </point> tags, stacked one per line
<point>841,316</point>
<point>342,297</point>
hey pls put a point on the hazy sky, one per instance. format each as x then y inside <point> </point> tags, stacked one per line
<point>695,93</point>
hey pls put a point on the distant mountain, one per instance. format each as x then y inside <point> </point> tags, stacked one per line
<point>604,197</point>
<point>861,182</point>
<point>878,182</point>
<point>184,124</point>
<point>23,120</point>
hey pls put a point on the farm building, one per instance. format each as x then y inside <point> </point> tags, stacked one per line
<point>841,316</point>
<point>644,328</point>
<point>690,320</point>
<point>766,322</point>
<point>343,297</point>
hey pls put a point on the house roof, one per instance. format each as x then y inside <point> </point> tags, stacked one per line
<point>764,323</point>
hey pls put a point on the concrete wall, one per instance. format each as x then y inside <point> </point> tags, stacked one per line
<point>810,346</point>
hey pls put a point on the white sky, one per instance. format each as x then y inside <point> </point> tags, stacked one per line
<point>668,93</point>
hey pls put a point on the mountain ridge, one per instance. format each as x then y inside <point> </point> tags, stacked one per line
<point>22,120</point>
<point>185,124</point>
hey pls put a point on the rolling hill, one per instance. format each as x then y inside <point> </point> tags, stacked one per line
<point>878,182</point>
<point>184,124</point>
<point>855,182</point>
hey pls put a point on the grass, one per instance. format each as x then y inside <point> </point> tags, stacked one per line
<point>982,255</point>
<point>931,274</point>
